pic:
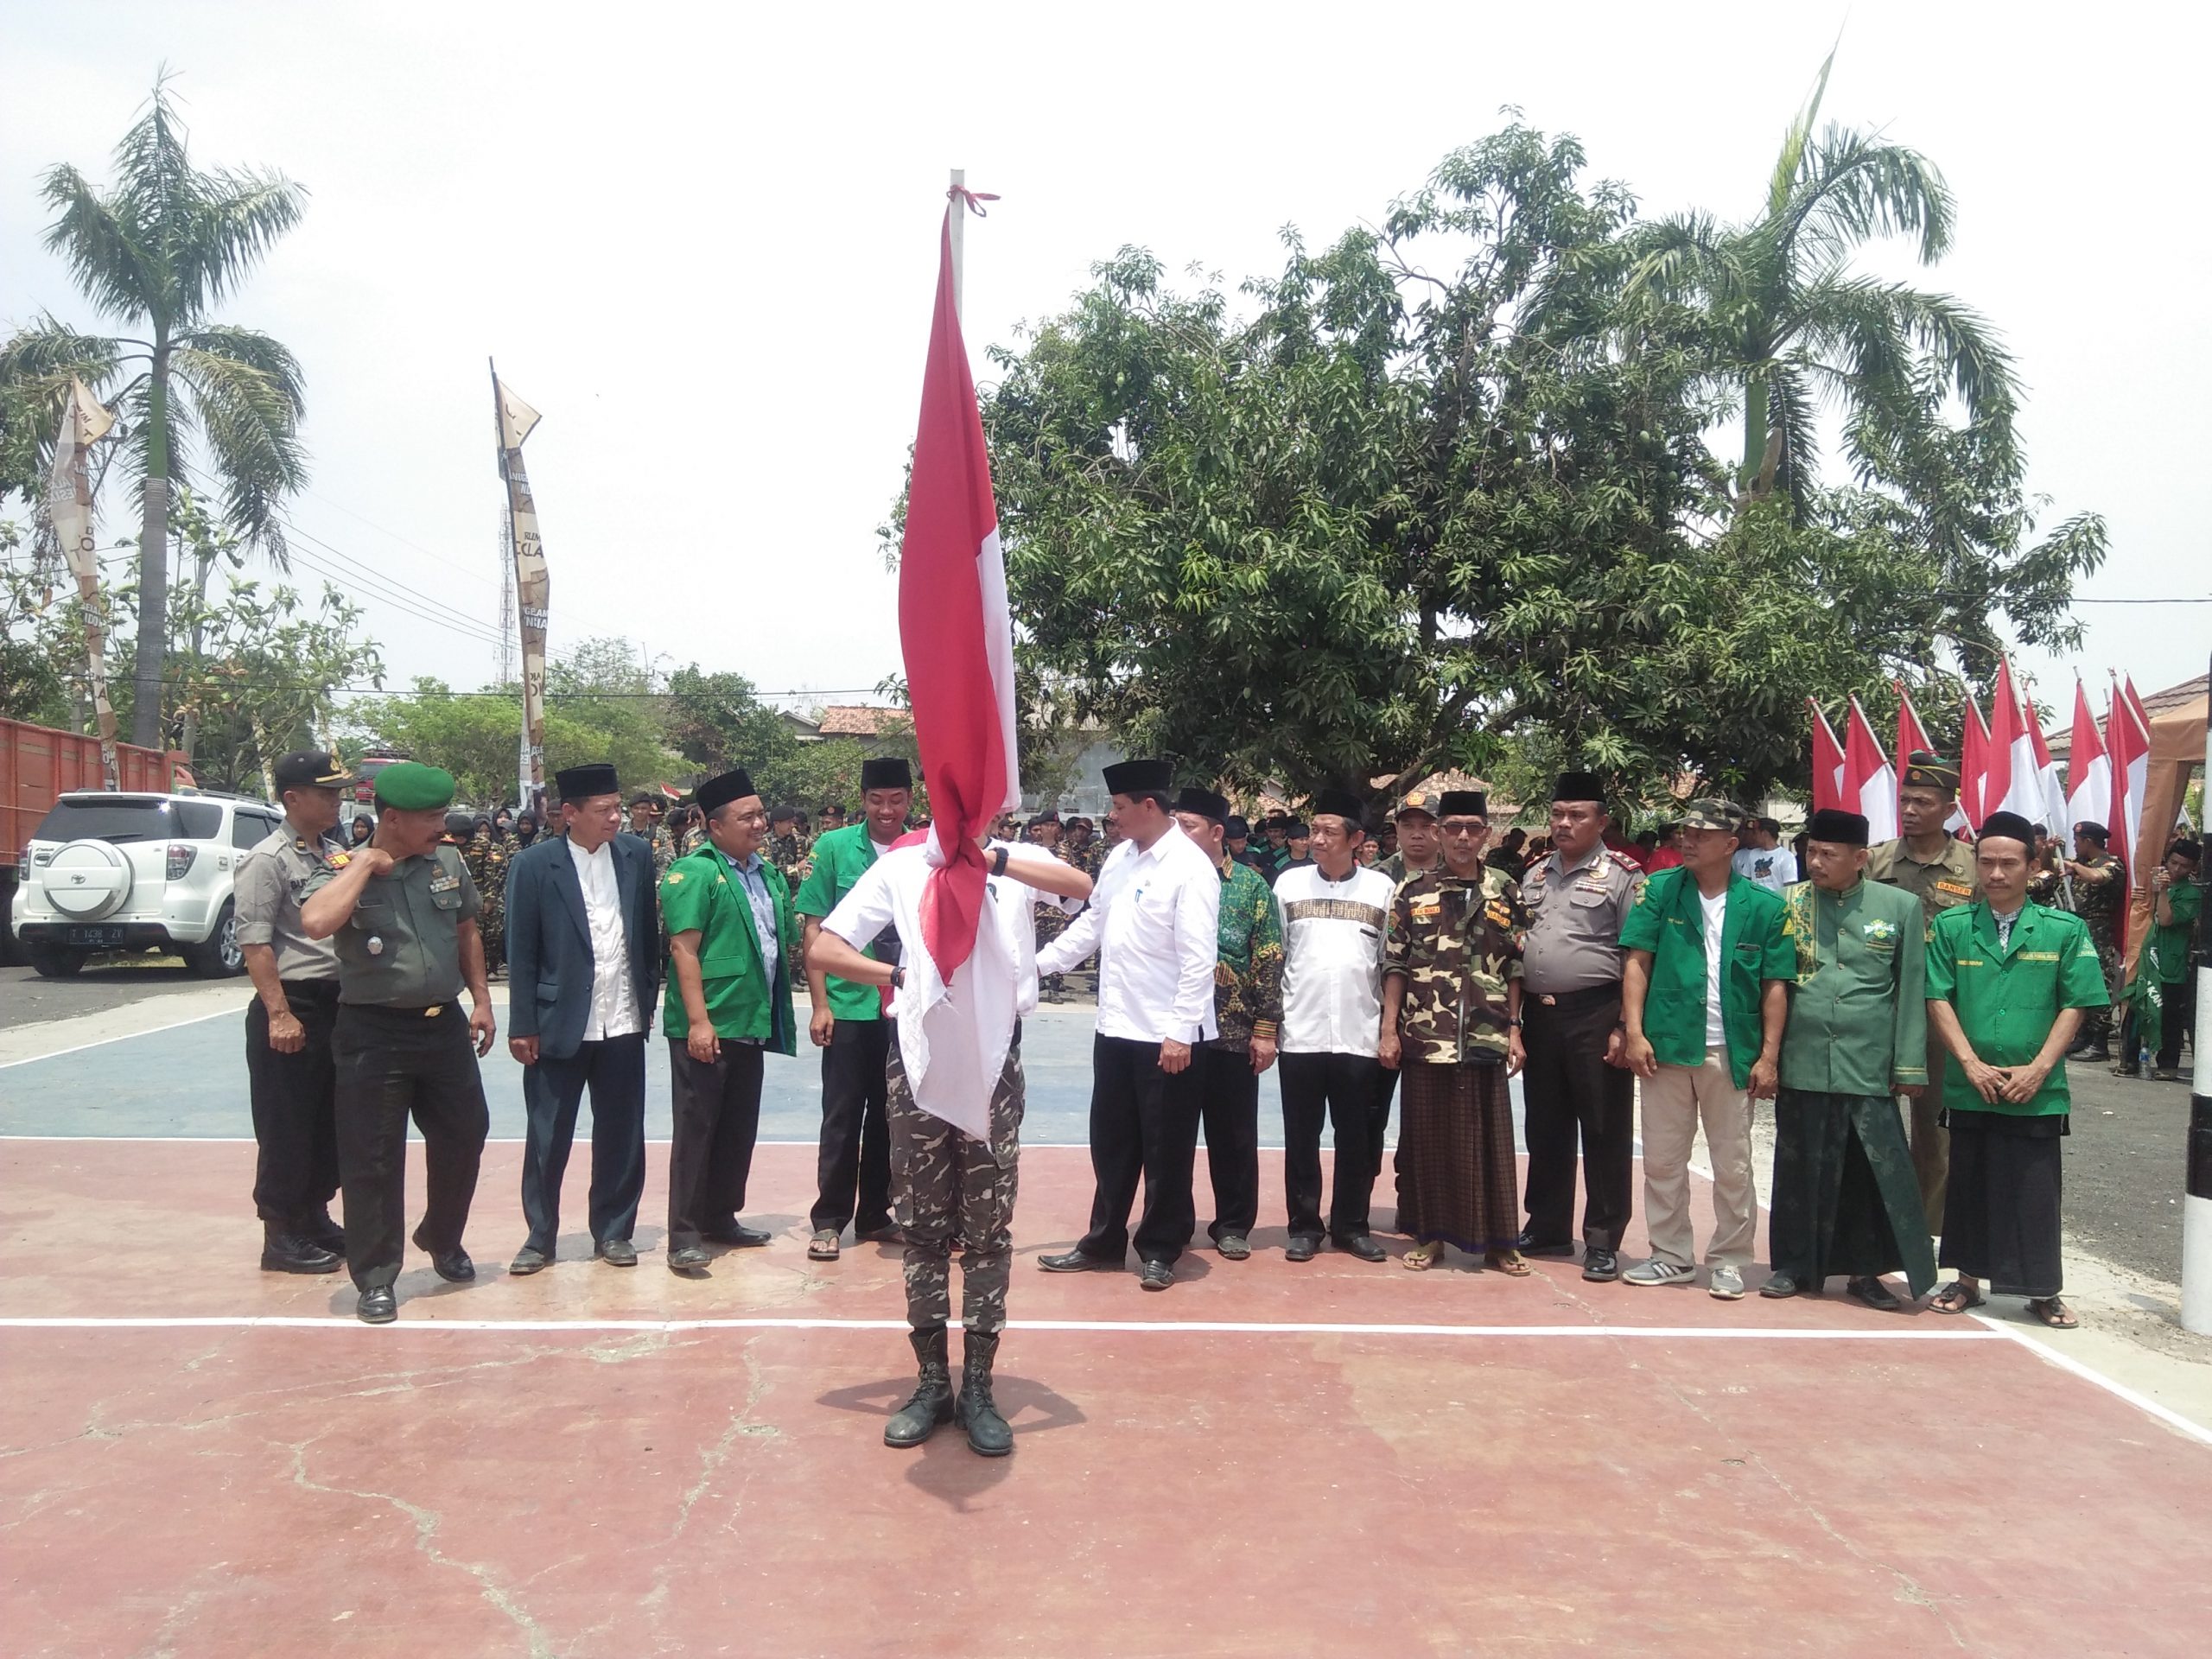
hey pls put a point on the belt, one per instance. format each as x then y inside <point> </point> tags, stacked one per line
<point>1587,996</point>
<point>319,990</point>
<point>405,1011</point>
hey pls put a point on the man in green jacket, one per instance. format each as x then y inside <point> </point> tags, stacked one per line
<point>2007,983</point>
<point>732,943</point>
<point>1845,1196</point>
<point>1702,1004</point>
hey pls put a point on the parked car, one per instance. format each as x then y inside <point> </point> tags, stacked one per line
<point>136,871</point>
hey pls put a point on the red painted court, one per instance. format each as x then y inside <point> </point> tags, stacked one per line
<point>1269,1459</point>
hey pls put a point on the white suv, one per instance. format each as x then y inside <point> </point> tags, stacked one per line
<point>115,872</point>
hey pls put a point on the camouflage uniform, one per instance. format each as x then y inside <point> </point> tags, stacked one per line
<point>486,855</point>
<point>952,1185</point>
<point>2098,904</point>
<point>1455,964</point>
<point>789,852</point>
<point>1395,868</point>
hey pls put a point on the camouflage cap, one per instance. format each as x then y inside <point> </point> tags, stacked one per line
<point>1711,812</point>
<point>1418,800</point>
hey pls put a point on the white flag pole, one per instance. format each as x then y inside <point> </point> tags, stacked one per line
<point>956,199</point>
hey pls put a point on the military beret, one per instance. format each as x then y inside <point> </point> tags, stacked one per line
<point>2095,831</point>
<point>413,787</point>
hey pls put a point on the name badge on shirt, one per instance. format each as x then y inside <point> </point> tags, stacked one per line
<point>1955,888</point>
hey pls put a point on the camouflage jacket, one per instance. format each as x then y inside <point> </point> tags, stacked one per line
<point>1456,960</point>
<point>789,855</point>
<point>2097,903</point>
<point>486,858</point>
<point>1248,974</point>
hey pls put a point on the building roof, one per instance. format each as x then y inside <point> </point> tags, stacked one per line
<point>860,720</point>
<point>2060,738</point>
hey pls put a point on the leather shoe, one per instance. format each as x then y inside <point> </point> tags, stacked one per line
<point>378,1305</point>
<point>1529,1244</point>
<point>529,1260</point>
<point>317,1226</point>
<point>618,1252</point>
<point>1156,1275</point>
<point>453,1266</point>
<point>1600,1266</point>
<point>739,1237</point>
<point>688,1258</point>
<point>1873,1292</point>
<point>1077,1262</point>
<point>296,1253</point>
<point>1364,1248</point>
<point>1780,1285</point>
<point>1233,1247</point>
<point>1301,1250</point>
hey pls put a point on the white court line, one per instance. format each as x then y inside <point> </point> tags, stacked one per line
<point>1146,1327</point>
<point>2165,1414</point>
<point>125,1036</point>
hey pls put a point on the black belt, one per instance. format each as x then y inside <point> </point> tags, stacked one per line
<point>312,990</point>
<point>1561,1001</point>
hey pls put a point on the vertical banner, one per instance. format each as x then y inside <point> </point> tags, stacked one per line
<point>533,587</point>
<point>69,510</point>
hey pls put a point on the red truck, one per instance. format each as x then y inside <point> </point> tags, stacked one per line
<point>37,764</point>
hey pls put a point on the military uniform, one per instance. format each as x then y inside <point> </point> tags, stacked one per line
<point>1395,868</point>
<point>2098,901</point>
<point>487,867</point>
<point>791,854</point>
<point>1940,884</point>
<point>1247,1003</point>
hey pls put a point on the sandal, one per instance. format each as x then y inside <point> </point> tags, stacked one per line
<point>1510,1263</point>
<point>1421,1258</point>
<point>1955,1298</point>
<point>822,1247</point>
<point>2054,1313</point>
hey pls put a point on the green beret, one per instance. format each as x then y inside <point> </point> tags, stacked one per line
<point>413,787</point>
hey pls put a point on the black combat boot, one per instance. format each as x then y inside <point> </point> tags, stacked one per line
<point>285,1251</point>
<point>977,1413</point>
<point>916,1419</point>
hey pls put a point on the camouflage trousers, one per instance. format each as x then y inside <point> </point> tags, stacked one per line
<point>2097,1023</point>
<point>949,1187</point>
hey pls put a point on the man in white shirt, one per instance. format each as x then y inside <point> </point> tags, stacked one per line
<point>1155,921</point>
<point>1762,860</point>
<point>583,942</point>
<point>945,1181</point>
<point>1335,913</point>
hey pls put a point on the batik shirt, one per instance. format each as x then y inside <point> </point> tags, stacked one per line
<point>1456,942</point>
<point>1248,979</point>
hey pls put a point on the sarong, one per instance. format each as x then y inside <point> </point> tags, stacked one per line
<point>1457,1170</point>
<point>1845,1199</point>
<point>2001,1219</point>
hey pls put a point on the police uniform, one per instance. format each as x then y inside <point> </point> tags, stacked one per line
<point>403,1048</point>
<point>1571,1005</point>
<point>293,1095</point>
<point>1940,883</point>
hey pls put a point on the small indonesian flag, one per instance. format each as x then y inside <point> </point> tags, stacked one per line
<point>1870,782</point>
<point>1828,762</point>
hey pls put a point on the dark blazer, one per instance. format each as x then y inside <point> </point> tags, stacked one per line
<point>549,965</point>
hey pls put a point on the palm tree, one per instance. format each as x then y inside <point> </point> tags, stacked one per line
<point>1792,327</point>
<point>157,254</point>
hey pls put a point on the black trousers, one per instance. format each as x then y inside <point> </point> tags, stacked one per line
<point>1144,1122</point>
<point>614,1071</point>
<point>852,1174</point>
<point>717,1120</point>
<point>2178,1015</point>
<point>1229,1113</point>
<point>1378,1140</point>
<point>295,1099</point>
<point>394,1065</point>
<point>1347,1089</point>
<point>1571,1092</point>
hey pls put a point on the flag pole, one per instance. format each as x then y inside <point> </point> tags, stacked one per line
<point>957,203</point>
<point>2196,1206</point>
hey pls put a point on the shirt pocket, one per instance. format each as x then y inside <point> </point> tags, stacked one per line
<point>375,916</point>
<point>447,899</point>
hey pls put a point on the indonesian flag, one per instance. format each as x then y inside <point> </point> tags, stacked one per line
<point>1974,765</point>
<point>2127,744</point>
<point>2012,784</point>
<point>1870,782</point>
<point>1828,762</point>
<point>2088,769</point>
<point>2053,816</point>
<point>955,1018</point>
<point>1913,739</point>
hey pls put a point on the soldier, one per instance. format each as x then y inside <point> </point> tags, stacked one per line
<point>1419,851</point>
<point>1248,1012</point>
<point>487,858</point>
<point>950,1182</point>
<point>832,817</point>
<point>787,850</point>
<point>1051,917</point>
<point>1236,842</point>
<point>2099,890</point>
<point>644,814</point>
<point>287,1025</point>
<point>1572,964</point>
<point>1079,845</point>
<point>1927,862</point>
<point>403,912</point>
<point>1298,846</point>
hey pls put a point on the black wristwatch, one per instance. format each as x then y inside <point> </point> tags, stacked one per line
<point>899,976</point>
<point>998,862</point>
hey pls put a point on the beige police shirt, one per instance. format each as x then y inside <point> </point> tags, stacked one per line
<point>401,947</point>
<point>1939,883</point>
<point>266,889</point>
<point>1575,914</point>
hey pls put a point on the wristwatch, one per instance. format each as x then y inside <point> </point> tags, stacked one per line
<point>998,862</point>
<point>899,976</point>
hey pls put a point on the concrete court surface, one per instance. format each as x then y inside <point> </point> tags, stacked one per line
<point>200,1459</point>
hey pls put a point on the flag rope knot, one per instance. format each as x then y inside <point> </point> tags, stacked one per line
<point>973,198</point>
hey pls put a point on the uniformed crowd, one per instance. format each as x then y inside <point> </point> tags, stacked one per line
<point>1419,964</point>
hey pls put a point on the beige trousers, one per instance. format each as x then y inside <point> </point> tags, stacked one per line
<point>1675,1103</point>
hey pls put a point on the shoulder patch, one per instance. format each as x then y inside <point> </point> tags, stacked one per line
<point>339,860</point>
<point>673,877</point>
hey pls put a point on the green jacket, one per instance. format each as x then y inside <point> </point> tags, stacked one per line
<point>840,858</point>
<point>2007,1000</point>
<point>1859,1011</point>
<point>1668,921</point>
<point>699,893</point>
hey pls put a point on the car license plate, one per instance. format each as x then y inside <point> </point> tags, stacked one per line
<point>96,938</point>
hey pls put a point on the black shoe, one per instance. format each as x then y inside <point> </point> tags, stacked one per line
<point>618,1252</point>
<point>975,1411</point>
<point>738,1236</point>
<point>376,1307</point>
<point>1301,1250</point>
<point>2090,1052</point>
<point>453,1266</point>
<point>1529,1244</point>
<point>1077,1262</point>
<point>1600,1266</point>
<point>887,1234</point>
<point>688,1258</point>
<point>1876,1294</point>
<point>1361,1245</point>
<point>1233,1247</point>
<point>1780,1285</point>
<point>296,1253</point>
<point>529,1260</point>
<point>932,1403</point>
<point>317,1226</point>
<point>1156,1275</point>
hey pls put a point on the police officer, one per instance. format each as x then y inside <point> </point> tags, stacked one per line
<point>1571,1006</point>
<point>402,914</point>
<point>288,1023</point>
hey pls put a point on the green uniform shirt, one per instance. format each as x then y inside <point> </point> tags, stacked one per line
<point>698,894</point>
<point>401,947</point>
<point>2169,951</point>
<point>840,857</point>
<point>1947,882</point>
<point>2007,1000</point>
<point>1668,920</point>
<point>1859,1010</point>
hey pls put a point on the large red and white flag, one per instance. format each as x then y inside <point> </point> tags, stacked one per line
<point>2012,784</point>
<point>2128,741</point>
<point>1870,782</point>
<point>1913,739</point>
<point>2048,790</point>
<point>956,1015</point>
<point>2088,769</point>
<point>1974,764</point>
<point>1828,762</point>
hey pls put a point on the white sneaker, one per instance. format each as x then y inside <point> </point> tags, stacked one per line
<point>1656,1272</point>
<point>1727,1284</point>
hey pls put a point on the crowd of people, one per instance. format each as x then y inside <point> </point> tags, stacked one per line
<point>1419,964</point>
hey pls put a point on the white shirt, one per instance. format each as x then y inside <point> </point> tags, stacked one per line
<point>1332,935</point>
<point>614,1001</point>
<point>1771,868</point>
<point>1154,919</point>
<point>1716,918</point>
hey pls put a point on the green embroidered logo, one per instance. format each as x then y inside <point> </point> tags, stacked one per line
<point>1880,931</point>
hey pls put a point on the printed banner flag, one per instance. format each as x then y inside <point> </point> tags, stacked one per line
<point>533,586</point>
<point>69,510</point>
<point>1828,762</point>
<point>2088,770</point>
<point>1870,782</point>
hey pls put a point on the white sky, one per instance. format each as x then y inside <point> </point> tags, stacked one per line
<point>702,244</point>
